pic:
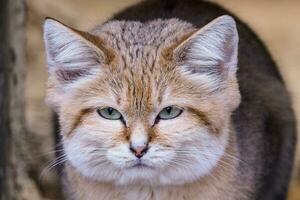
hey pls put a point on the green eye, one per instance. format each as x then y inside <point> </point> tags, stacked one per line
<point>109,113</point>
<point>169,112</point>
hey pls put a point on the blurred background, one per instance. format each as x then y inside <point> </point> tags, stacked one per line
<point>275,21</point>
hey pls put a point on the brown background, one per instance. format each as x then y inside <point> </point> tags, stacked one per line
<point>277,22</point>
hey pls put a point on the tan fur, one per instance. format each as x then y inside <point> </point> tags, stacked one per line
<point>141,76</point>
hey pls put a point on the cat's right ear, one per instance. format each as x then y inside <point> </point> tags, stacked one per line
<point>209,56</point>
<point>70,55</point>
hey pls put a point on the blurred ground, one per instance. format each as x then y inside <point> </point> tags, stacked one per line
<point>275,21</point>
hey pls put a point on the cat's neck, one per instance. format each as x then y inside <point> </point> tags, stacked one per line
<point>219,184</point>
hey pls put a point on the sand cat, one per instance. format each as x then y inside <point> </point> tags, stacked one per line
<point>169,100</point>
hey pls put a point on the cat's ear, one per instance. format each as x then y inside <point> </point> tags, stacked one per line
<point>210,54</point>
<point>70,55</point>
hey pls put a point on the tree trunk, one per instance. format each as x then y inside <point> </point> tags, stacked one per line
<point>4,102</point>
<point>15,180</point>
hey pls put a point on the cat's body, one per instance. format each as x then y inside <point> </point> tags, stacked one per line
<point>248,152</point>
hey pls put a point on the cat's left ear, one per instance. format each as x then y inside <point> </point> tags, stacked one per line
<point>71,55</point>
<point>210,54</point>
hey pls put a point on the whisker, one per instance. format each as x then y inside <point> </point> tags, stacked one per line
<point>51,165</point>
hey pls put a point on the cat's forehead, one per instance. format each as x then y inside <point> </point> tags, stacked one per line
<point>137,46</point>
<point>139,80</point>
<point>123,34</point>
<point>137,91</point>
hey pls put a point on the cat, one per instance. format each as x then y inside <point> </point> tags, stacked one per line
<point>169,100</point>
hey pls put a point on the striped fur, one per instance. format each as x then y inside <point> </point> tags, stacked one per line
<point>139,68</point>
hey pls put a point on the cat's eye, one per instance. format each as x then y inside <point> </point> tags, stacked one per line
<point>169,112</point>
<point>109,113</point>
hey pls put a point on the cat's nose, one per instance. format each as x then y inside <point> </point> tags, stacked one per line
<point>139,151</point>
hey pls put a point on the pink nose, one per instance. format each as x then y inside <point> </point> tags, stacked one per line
<point>139,151</point>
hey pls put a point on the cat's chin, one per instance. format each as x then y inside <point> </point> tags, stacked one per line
<point>149,176</point>
<point>140,175</point>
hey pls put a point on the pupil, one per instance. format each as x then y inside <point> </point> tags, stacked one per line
<point>169,109</point>
<point>110,110</point>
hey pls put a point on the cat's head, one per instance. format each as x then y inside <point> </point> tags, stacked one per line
<point>143,102</point>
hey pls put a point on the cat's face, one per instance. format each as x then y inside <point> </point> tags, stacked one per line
<point>144,103</point>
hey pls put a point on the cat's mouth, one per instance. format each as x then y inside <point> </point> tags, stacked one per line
<point>141,165</point>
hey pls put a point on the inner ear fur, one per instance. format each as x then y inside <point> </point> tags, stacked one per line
<point>72,53</point>
<point>212,49</point>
